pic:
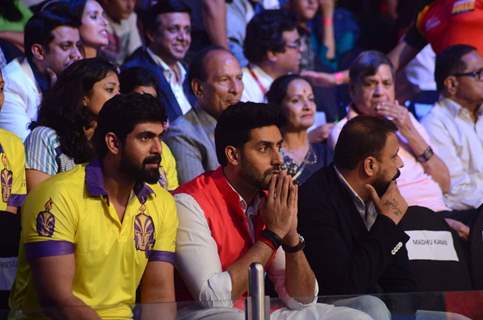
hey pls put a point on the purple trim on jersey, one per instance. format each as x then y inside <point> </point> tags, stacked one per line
<point>166,256</point>
<point>94,179</point>
<point>16,200</point>
<point>48,248</point>
<point>95,183</point>
<point>142,191</point>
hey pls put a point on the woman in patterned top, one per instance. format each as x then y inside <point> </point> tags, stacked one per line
<point>67,119</point>
<point>295,97</point>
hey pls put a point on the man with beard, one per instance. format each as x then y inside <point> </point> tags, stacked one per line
<point>349,214</point>
<point>92,235</point>
<point>241,213</point>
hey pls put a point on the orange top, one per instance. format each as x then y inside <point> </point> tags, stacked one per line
<point>447,22</point>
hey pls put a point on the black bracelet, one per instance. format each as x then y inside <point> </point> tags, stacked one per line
<point>272,237</point>
<point>299,246</point>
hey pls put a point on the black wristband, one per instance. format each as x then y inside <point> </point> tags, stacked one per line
<point>272,237</point>
<point>299,246</point>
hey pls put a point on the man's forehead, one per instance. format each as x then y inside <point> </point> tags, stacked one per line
<point>290,35</point>
<point>172,18</point>
<point>220,62</point>
<point>269,134</point>
<point>65,33</point>
<point>473,60</point>
<point>383,72</point>
<point>155,127</point>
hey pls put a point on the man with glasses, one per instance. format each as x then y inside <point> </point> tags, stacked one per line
<point>455,123</point>
<point>273,48</point>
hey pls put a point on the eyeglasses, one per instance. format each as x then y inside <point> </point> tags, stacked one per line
<point>478,75</point>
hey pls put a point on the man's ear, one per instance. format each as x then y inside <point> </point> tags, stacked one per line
<point>197,87</point>
<point>112,143</point>
<point>38,51</point>
<point>272,56</point>
<point>150,36</point>
<point>370,166</point>
<point>232,155</point>
<point>451,85</point>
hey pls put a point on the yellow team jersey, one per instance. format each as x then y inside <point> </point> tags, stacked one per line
<point>169,175</point>
<point>70,214</point>
<point>12,170</point>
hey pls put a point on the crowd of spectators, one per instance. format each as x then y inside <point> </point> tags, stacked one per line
<point>152,150</point>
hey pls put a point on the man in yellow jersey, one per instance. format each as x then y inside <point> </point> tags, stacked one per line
<point>13,191</point>
<point>92,235</point>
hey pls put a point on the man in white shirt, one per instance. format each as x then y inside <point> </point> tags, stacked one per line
<point>273,48</point>
<point>455,124</point>
<point>246,212</point>
<point>52,43</point>
<point>168,31</point>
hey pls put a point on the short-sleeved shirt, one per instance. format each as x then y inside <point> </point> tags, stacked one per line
<point>71,214</point>
<point>12,170</point>
<point>43,152</point>
<point>443,23</point>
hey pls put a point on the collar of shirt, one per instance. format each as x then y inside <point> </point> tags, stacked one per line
<point>167,71</point>
<point>457,110</point>
<point>261,77</point>
<point>367,211</point>
<point>94,180</point>
<point>43,82</point>
<point>250,210</point>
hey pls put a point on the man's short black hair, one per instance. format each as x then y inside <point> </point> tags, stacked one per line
<point>264,33</point>
<point>366,64</point>
<point>122,113</point>
<point>450,62</point>
<point>38,29</point>
<point>150,17</point>
<point>236,122</point>
<point>361,137</point>
<point>133,77</point>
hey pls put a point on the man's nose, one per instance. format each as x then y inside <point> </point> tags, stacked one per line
<point>75,53</point>
<point>156,147</point>
<point>277,158</point>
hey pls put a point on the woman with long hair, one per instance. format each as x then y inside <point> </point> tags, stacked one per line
<point>67,119</point>
<point>294,95</point>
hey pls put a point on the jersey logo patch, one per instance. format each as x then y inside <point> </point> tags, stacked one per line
<point>6,178</point>
<point>143,231</point>
<point>462,6</point>
<point>46,221</point>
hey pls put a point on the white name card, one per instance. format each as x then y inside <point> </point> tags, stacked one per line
<point>431,245</point>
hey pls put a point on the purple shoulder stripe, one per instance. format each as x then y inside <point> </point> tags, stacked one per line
<point>166,256</point>
<point>16,200</point>
<point>49,248</point>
